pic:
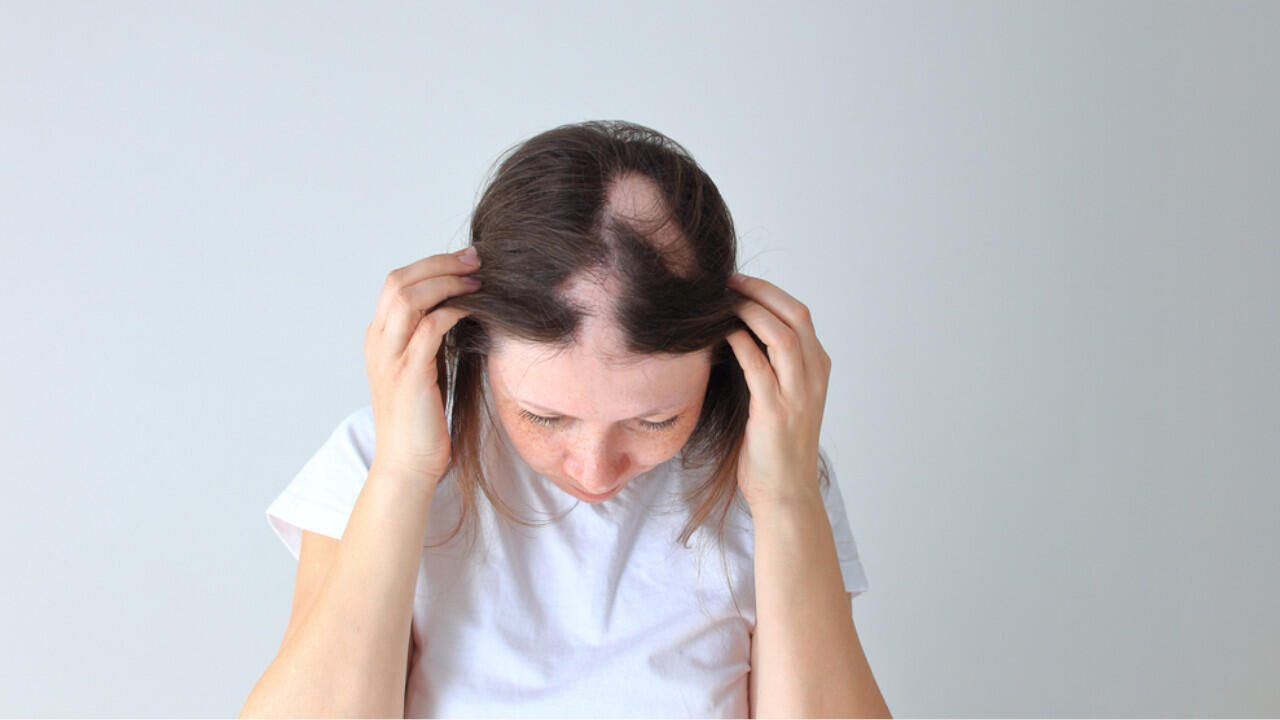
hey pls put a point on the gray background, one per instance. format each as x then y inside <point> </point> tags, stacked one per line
<point>1039,241</point>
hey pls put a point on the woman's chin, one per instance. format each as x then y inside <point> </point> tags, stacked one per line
<point>577,492</point>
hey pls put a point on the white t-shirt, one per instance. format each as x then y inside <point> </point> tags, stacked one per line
<point>601,613</point>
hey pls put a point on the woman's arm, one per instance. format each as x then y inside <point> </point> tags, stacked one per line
<point>347,657</point>
<point>806,659</point>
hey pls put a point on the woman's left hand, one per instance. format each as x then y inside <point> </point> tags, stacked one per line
<point>779,458</point>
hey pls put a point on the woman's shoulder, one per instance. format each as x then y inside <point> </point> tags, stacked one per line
<point>354,434</point>
<point>362,419</point>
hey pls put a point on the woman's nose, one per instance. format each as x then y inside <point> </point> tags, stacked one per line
<point>597,471</point>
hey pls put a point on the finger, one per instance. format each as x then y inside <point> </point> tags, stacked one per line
<point>410,304</point>
<point>416,272</point>
<point>761,381</point>
<point>785,354</point>
<point>427,336</point>
<point>795,313</point>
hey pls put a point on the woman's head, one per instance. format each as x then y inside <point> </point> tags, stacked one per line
<point>605,255</point>
<point>590,417</point>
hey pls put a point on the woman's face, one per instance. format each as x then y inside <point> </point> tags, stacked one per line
<point>608,423</point>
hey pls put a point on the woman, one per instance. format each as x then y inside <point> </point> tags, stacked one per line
<point>588,357</point>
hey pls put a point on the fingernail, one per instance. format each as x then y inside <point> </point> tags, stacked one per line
<point>470,256</point>
<point>736,278</point>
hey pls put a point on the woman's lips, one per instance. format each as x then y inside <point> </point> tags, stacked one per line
<point>564,483</point>
<point>590,496</point>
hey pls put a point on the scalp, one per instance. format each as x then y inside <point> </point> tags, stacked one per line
<point>636,199</point>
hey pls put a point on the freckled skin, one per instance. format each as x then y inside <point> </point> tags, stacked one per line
<point>604,448</point>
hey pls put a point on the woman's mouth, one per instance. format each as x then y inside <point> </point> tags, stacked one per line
<point>605,496</point>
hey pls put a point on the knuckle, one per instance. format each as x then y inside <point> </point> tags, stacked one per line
<point>430,323</point>
<point>805,315</point>
<point>396,368</point>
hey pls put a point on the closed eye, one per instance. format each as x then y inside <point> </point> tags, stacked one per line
<point>553,421</point>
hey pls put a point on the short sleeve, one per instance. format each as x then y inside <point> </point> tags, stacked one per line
<point>855,577</point>
<point>322,494</point>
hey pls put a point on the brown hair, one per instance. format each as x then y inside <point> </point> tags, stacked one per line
<point>544,219</point>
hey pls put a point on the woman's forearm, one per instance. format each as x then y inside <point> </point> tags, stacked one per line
<point>347,657</point>
<point>810,661</point>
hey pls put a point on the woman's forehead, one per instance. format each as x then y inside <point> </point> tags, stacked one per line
<point>578,377</point>
<point>545,359</point>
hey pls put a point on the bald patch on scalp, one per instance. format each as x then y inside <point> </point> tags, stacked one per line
<point>599,334</point>
<point>634,205</point>
<point>637,200</point>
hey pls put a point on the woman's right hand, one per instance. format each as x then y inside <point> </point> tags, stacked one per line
<point>400,347</point>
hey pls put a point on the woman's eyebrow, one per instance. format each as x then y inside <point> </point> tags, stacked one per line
<point>539,408</point>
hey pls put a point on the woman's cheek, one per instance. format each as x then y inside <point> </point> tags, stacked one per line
<point>534,443</point>
<point>662,445</point>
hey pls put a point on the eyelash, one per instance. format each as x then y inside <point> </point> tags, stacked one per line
<point>552,422</point>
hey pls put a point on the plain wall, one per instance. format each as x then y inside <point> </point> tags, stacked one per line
<point>1039,241</point>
